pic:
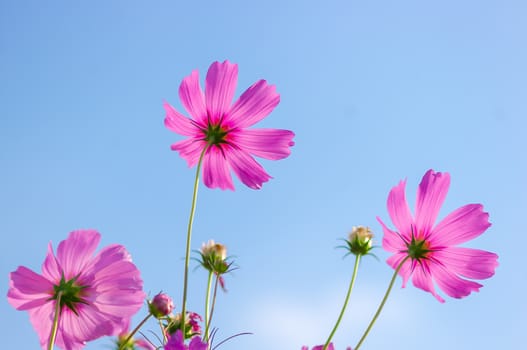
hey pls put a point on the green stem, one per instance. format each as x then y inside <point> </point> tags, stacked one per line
<point>207,308</point>
<point>207,325</point>
<point>379,309</point>
<point>350,288</point>
<point>136,329</point>
<point>189,234</point>
<point>55,327</point>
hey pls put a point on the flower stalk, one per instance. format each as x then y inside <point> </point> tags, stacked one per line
<point>189,236</point>
<point>346,300</point>
<point>381,306</point>
<point>53,334</point>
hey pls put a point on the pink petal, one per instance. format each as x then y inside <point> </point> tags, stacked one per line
<point>391,241</point>
<point>76,251</point>
<point>452,284</point>
<point>197,344</point>
<point>271,144</point>
<point>216,173</point>
<point>177,122</point>
<point>28,289</point>
<point>460,226</point>
<point>50,268</point>
<point>192,98</point>
<point>467,262</point>
<point>430,196</point>
<point>422,278</point>
<point>220,86</point>
<point>253,105</point>
<point>190,150</point>
<point>42,320</point>
<point>399,210</point>
<point>90,324</point>
<point>248,170</point>
<point>406,270</point>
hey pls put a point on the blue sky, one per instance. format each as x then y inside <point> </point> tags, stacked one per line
<point>376,91</point>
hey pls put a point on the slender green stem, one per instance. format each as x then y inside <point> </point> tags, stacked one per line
<point>207,325</point>
<point>379,309</point>
<point>55,327</point>
<point>136,329</point>
<point>207,308</point>
<point>348,294</point>
<point>189,235</point>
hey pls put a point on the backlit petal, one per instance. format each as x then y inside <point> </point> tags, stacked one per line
<point>216,173</point>
<point>220,86</point>
<point>177,122</point>
<point>271,144</point>
<point>451,284</point>
<point>399,210</point>
<point>75,251</point>
<point>192,98</point>
<point>460,226</point>
<point>248,170</point>
<point>190,150</point>
<point>431,194</point>
<point>28,289</point>
<point>468,262</point>
<point>422,278</point>
<point>253,105</point>
<point>391,241</point>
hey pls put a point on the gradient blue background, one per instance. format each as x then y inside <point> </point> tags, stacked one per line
<point>376,91</point>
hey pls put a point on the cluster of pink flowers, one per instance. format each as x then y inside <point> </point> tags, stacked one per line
<point>81,295</point>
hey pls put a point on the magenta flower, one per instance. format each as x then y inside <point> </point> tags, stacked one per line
<point>161,305</point>
<point>99,293</point>
<point>176,342</point>
<point>431,251</point>
<point>223,127</point>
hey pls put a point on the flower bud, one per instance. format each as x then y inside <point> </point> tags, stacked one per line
<point>360,240</point>
<point>192,324</point>
<point>161,305</point>
<point>214,256</point>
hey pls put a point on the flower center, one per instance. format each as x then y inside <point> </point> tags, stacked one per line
<point>69,293</point>
<point>215,134</point>
<point>418,249</point>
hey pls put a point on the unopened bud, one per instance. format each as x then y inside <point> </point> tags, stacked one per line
<point>360,240</point>
<point>161,305</point>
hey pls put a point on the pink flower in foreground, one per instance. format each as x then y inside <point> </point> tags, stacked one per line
<point>176,342</point>
<point>224,127</point>
<point>99,293</point>
<point>434,255</point>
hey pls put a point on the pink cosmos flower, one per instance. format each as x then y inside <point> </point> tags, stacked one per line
<point>432,251</point>
<point>176,342</point>
<point>99,293</point>
<point>223,127</point>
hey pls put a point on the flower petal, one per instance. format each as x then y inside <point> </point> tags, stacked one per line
<point>28,289</point>
<point>391,241</point>
<point>452,284</point>
<point>248,170</point>
<point>190,150</point>
<point>405,271</point>
<point>422,278</point>
<point>265,143</point>
<point>220,86</point>
<point>216,172</point>
<point>177,122</point>
<point>192,98</point>
<point>468,262</point>
<point>399,210</point>
<point>460,226</point>
<point>430,196</point>
<point>253,105</point>
<point>76,251</point>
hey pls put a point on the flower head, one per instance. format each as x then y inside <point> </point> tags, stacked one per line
<point>221,129</point>
<point>192,326</point>
<point>176,342</point>
<point>214,257</point>
<point>360,240</point>
<point>431,253</point>
<point>97,295</point>
<point>161,305</point>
